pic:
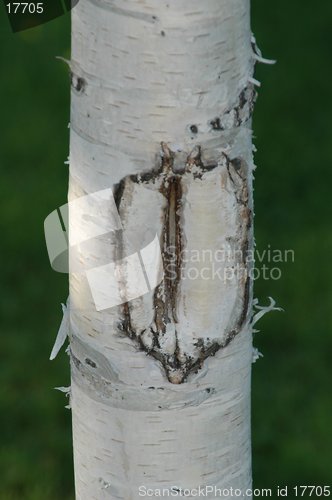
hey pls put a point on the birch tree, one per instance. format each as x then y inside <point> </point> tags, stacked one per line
<point>161,105</point>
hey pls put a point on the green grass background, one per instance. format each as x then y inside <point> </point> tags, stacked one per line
<point>292,403</point>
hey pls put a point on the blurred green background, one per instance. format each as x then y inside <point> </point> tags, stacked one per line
<point>292,403</point>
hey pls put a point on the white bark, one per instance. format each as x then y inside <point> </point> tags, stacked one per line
<point>162,95</point>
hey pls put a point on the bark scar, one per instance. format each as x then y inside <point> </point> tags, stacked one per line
<point>169,183</point>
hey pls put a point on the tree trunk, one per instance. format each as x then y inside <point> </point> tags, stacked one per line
<point>162,96</point>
